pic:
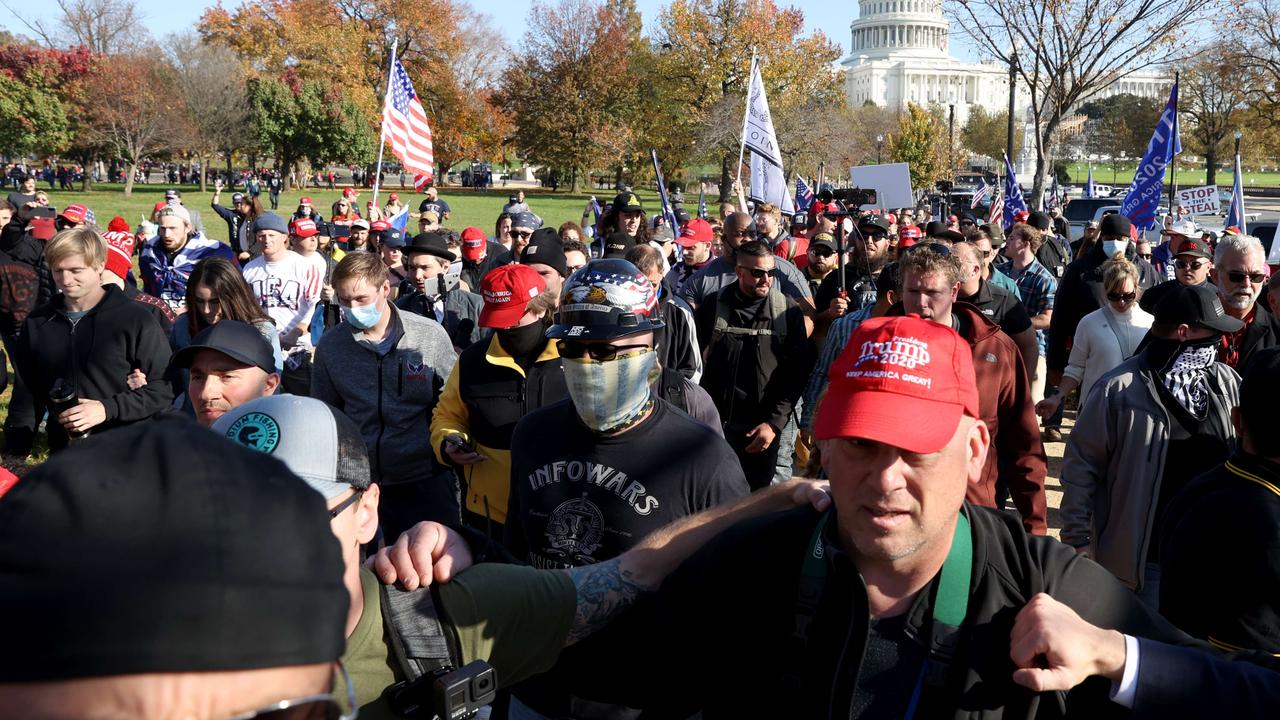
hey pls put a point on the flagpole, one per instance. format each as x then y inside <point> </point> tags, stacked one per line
<point>746,113</point>
<point>1173,156</point>
<point>382,137</point>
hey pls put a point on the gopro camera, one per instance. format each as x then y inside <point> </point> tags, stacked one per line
<point>446,694</point>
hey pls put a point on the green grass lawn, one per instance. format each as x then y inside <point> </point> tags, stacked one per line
<point>468,207</point>
<point>1186,177</point>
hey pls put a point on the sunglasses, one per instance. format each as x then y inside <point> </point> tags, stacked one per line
<point>355,497</point>
<point>573,350</point>
<point>823,252</point>
<point>1121,297</point>
<point>1190,265</point>
<point>757,273</point>
<point>518,234</point>
<point>1237,277</point>
<point>1145,256</point>
<point>875,236</point>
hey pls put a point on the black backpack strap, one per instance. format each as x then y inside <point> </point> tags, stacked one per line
<point>418,640</point>
<point>672,388</point>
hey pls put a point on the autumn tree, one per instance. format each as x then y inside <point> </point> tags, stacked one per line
<point>985,133</point>
<point>705,53</point>
<point>1064,53</point>
<point>104,27</point>
<point>920,142</point>
<point>564,96</point>
<point>211,85</point>
<point>37,89</point>
<point>148,119</point>
<point>1214,88</point>
<point>350,43</point>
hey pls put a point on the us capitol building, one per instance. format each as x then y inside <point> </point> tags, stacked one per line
<point>900,54</point>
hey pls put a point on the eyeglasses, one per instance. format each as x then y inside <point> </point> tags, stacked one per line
<point>1190,265</point>
<point>522,235</point>
<point>1237,277</point>
<point>1145,256</point>
<point>1121,297</point>
<point>757,273</point>
<point>875,236</point>
<point>822,252</point>
<point>355,497</point>
<point>573,350</point>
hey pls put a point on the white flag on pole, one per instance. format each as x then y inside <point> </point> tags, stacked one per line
<point>767,181</point>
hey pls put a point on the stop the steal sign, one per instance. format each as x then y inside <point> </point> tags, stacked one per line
<point>1200,201</point>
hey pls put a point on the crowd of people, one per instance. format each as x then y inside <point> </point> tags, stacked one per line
<point>752,465</point>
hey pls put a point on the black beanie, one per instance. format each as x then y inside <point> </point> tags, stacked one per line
<point>545,248</point>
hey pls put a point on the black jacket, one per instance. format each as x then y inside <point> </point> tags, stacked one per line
<point>677,340</point>
<point>1262,333</point>
<point>718,635</point>
<point>754,378</point>
<point>1000,307</point>
<point>234,221</point>
<point>18,244</point>
<point>461,312</point>
<point>96,356</point>
<point>1220,556</point>
<point>1079,293</point>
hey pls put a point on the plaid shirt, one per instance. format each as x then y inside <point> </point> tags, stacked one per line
<point>1038,286</point>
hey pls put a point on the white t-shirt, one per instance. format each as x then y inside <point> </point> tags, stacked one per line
<point>288,289</point>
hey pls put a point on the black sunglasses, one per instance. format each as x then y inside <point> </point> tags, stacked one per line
<point>1237,277</point>
<point>1121,297</point>
<point>757,273</point>
<point>521,235</point>
<point>574,349</point>
<point>355,497</point>
<point>1145,256</point>
<point>1190,265</point>
<point>823,252</point>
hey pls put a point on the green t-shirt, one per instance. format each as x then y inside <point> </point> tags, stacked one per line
<point>514,617</point>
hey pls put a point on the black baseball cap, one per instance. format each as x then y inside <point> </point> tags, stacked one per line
<point>429,243</point>
<point>627,202</point>
<point>391,237</point>
<point>163,547</point>
<point>1195,305</point>
<point>1039,220</point>
<point>617,244</point>
<point>239,341</point>
<point>874,221</point>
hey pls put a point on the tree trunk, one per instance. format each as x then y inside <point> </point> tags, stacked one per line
<point>1042,162</point>
<point>130,169</point>
<point>573,181</point>
<point>726,182</point>
<point>229,170</point>
<point>1211,162</point>
<point>86,178</point>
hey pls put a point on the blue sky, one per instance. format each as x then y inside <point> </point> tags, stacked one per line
<point>163,17</point>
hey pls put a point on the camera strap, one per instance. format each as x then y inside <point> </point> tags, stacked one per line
<point>950,604</point>
<point>417,638</point>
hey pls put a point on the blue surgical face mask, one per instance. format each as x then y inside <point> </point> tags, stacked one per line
<point>1111,247</point>
<point>361,317</point>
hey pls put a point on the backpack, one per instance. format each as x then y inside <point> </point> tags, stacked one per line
<point>19,290</point>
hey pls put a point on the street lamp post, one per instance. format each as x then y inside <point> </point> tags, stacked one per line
<point>880,143</point>
<point>1238,135</point>
<point>951,140</point>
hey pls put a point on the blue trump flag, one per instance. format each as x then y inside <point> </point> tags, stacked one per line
<point>1013,201</point>
<point>1143,198</point>
<point>702,201</point>
<point>1089,190</point>
<point>1235,212</point>
<point>668,210</point>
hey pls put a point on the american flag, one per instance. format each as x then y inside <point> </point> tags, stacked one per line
<point>997,207</point>
<point>405,124</point>
<point>980,195</point>
<point>804,195</point>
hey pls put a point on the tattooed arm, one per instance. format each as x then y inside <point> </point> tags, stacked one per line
<point>606,589</point>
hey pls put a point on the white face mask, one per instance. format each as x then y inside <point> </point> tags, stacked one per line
<point>1111,247</point>
<point>609,394</point>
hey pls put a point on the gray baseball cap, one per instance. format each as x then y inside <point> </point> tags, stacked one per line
<point>318,443</point>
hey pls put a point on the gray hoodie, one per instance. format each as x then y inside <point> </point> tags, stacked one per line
<point>389,396</point>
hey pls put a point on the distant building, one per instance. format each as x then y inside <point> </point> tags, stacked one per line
<point>900,54</point>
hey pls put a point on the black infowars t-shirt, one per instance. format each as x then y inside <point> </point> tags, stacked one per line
<point>578,498</point>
